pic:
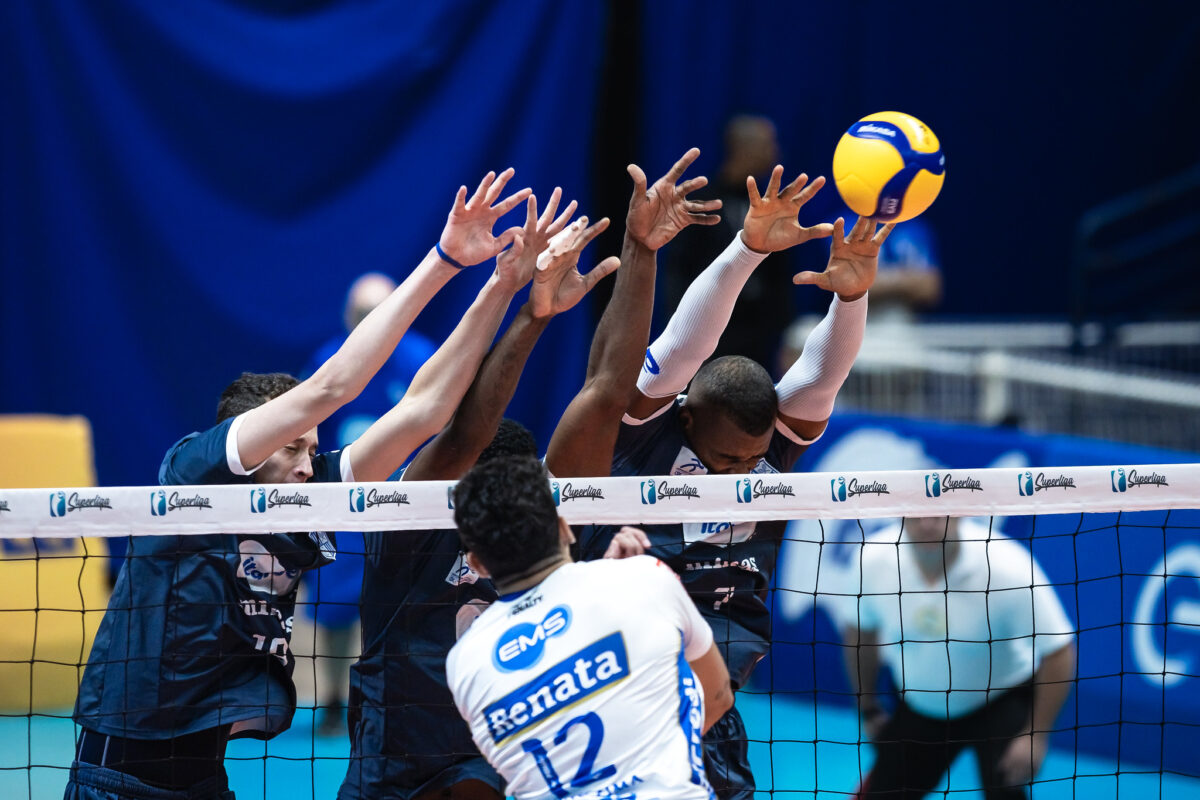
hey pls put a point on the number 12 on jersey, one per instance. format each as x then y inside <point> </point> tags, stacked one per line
<point>585,774</point>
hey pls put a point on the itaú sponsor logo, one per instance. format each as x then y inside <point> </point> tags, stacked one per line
<point>570,681</point>
<point>61,504</point>
<point>521,646</point>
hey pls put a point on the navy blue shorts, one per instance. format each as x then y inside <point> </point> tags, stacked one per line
<point>726,758</point>
<point>90,782</point>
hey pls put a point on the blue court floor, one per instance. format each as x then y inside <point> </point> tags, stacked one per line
<point>35,754</point>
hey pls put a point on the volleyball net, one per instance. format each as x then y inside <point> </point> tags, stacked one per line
<point>866,633</point>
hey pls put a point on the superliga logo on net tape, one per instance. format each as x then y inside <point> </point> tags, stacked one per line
<point>61,504</point>
<point>1122,483</point>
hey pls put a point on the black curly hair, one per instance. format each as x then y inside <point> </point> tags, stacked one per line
<point>506,516</point>
<point>251,390</point>
<point>511,439</point>
<point>741,389</point>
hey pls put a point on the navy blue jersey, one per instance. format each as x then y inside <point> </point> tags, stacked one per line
<point>198,628</point>
<point>725,567</point>
<point>418,596</point>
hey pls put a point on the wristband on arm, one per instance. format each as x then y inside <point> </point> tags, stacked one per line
<point>697,324</point>
<point>808,389</point>
<point>442,255</point>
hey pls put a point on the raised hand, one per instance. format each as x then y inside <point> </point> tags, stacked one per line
<point>515,266</point>
<point>557,284</point>
<point>853,259</point>
<point>628,542</point>
<point>771,223</point>
<point>658,213</point>
<point>467,237</point>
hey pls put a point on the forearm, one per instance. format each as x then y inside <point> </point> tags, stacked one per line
<point>478,416</point>
<point>697,324</point>
<point>434,392</point>
<point>372,341</point>
<point>810,386</point>
<point>1051,684</point>
<point>619,344</point>
<point>861,658</point>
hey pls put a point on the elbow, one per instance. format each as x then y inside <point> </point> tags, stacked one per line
<point>723,701</point>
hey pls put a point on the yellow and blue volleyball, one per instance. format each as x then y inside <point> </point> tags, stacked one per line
<point>889,166</point>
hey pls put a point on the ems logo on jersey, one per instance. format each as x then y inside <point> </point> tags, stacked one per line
<point>933,485</point>
<point>556,491</point>
<point>258,501</point>
<point>649,495</point>
<point>563,685</point>
<point>358,500</point>
<point>744,493</point>
<point>521,646</point>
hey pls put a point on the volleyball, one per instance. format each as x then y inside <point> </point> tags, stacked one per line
<point>889,166</point>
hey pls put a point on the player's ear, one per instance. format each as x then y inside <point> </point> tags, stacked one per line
<point>565,535</point>
<point>474,564</point>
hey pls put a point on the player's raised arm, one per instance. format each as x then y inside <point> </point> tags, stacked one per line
<point>808,389</point>
<point>557,287</point>
<point>584,438</point>
<point>696,327</point>
<point>466,240</point>
<point>440,384</point>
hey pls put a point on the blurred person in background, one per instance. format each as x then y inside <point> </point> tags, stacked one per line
<point>332,594</point>
<point>763,309</point>
<point>980,650</point>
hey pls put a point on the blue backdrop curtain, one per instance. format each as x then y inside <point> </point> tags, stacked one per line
<point>188,188</point>
<point>1044,110</point>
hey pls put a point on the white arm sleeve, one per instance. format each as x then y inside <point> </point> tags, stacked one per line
<point>697,324</point>
<point>808,389</point>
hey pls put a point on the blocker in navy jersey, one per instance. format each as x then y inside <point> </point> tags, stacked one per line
<point>725,567</point>
<point>407,738</point>
<point>198,628</point>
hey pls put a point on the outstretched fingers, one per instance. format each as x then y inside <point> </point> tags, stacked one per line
<point>601,271</point>
<point>806,194</point>
<point>481,190</point>
<point>639,179</point>
<point>676,172</point>
<point>881,236</point>
<point>815,278</point>
<point>496,188</point>
<point>774,183</point>
<point>691,185</point>
<point>551,209</point>
<point>510,202</point>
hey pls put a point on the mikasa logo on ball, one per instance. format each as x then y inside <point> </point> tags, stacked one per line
<point>877,129</point>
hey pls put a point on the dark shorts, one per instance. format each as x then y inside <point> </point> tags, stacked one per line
<point>441,784</point>
<point>726,760</point>
<point>89,782</point>
<point>913,751</point>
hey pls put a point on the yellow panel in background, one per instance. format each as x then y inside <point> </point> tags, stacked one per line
<point>53,592</point>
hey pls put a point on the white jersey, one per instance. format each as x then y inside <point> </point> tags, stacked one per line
<point>956,641</point>
<point>580,687</point>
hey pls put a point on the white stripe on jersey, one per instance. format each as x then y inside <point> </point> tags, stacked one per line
<point>580,687</point>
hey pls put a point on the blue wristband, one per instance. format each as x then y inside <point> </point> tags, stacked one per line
<point>442,255</point>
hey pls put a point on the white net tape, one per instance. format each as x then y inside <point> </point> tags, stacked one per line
<point>119,511</point>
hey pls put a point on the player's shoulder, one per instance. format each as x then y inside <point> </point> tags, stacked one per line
<point>199,457</point>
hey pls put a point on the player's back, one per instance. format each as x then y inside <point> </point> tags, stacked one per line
<point>580,686</point>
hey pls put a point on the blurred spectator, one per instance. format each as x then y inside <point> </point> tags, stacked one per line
<point>764,307</point>
<point>333,591</point>
<point>979,648</point>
